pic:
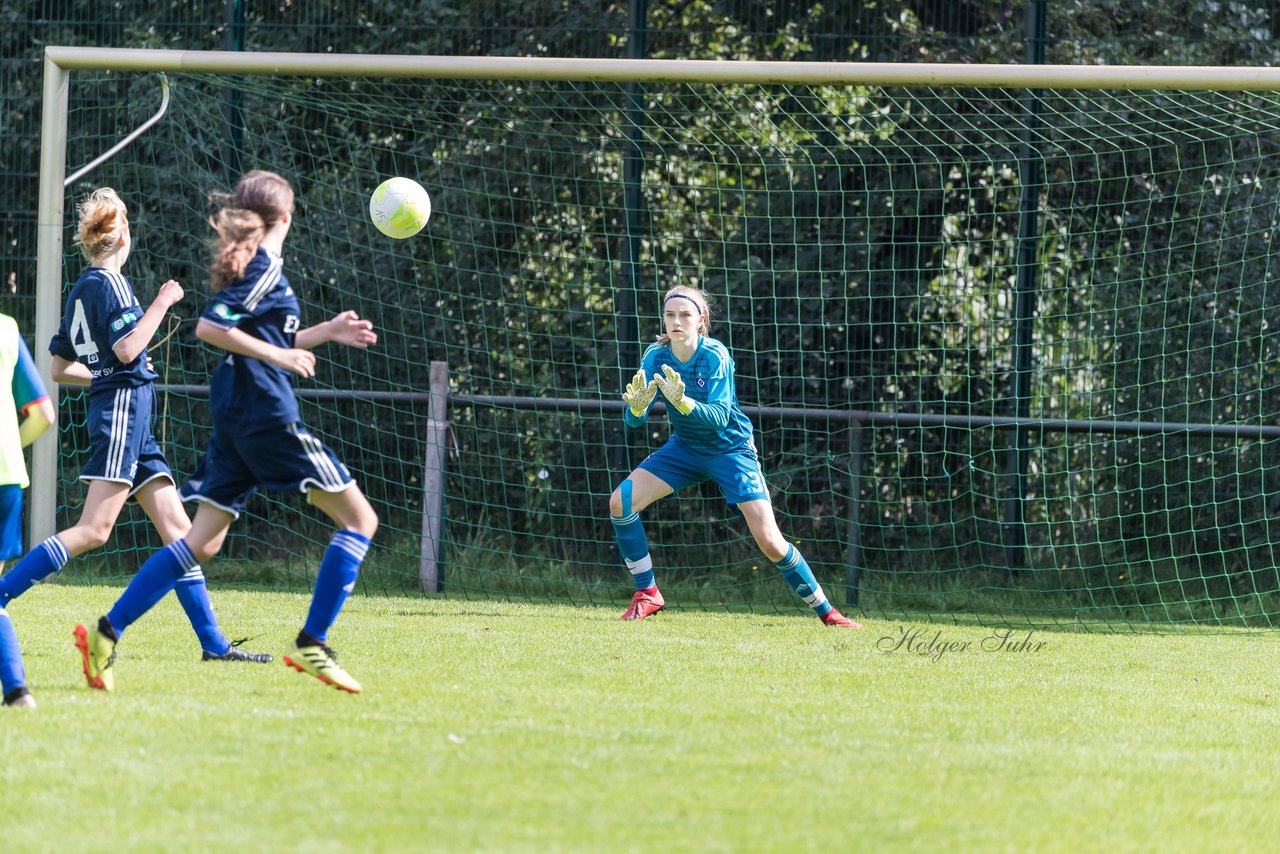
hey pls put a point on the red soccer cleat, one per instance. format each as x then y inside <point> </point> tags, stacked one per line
<point>644,604</point>
<point>835,618</point>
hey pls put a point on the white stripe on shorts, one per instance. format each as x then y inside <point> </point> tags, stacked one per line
<point>323,463</point>
<point>119,432</point>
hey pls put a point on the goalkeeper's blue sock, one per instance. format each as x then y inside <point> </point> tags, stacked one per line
<point>193,593</point>
<point>12,673</point>
<point>634,546</point>
<point>156,578</point>
<point>795,571</point>
<point>47,558</point>
<point>335,581</point>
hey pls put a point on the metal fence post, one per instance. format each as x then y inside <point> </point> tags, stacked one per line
<point>431,566</point>
<point>853,558</point>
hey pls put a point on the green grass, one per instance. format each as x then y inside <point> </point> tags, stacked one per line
<point>509,727</point>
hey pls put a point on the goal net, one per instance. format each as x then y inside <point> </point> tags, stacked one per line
<point>1006,350</point>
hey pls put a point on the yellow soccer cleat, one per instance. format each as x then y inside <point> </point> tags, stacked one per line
<point>321,662</point>
<point>98,654</point>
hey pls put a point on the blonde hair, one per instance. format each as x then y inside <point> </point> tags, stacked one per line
<point>260,200</point>
<point>103,218</point>
<point>699,298</point>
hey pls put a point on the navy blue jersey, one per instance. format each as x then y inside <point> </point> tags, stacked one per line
<point>717,425</point>
<point>248,395</point>
<point>99,312</point>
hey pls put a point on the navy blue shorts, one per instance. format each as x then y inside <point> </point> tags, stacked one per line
<point>121,446</point>
<point>737,474</point>
<point>282,459</point>
<point>10,521</point>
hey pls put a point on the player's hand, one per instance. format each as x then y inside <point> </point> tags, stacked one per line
<point>672,386</point>
<point>300,362</point>
<point>639,394</point>
<point>347,328</point>
<point>171,293</point>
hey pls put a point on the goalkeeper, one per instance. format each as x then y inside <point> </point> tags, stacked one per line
<point>710,440</point>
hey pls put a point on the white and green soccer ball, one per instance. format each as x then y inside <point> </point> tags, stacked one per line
<point>399,207</point>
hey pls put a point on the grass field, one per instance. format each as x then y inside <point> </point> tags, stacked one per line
<point>503,727</point>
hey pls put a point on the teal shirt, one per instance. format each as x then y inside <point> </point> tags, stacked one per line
<point>717,425</point>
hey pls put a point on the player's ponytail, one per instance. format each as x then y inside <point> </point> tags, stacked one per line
<point>239,233</point>
<point>260,200</point>
<point>103,217</point>
<point>697,296</point>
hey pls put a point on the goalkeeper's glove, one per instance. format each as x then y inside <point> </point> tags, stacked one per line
<point>673,389</point>
<point>639,394</point>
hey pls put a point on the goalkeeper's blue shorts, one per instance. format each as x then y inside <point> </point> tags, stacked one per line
<point>737,473</point>
<point>280,459</point>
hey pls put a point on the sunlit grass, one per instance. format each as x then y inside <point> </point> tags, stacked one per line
<point>496,726</point>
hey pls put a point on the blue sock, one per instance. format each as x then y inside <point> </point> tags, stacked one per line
<point>12,674</point>
<point>795,571</point>
<point>193,593</point>
<point>45,559</point>
<point>634,546</point>
<point>335,581</point>
<point>156,578</point>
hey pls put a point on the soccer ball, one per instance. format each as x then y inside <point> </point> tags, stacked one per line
<point>399,207</point>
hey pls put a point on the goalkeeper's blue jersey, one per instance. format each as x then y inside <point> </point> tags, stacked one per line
<point>717,425</point>
<point>100,311</point>
<point>249,395</point>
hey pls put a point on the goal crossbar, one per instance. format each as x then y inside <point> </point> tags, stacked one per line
<point>1225,78</point>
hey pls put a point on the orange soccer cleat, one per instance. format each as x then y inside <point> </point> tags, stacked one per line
<point>835,618</point>
<point>644,604</point>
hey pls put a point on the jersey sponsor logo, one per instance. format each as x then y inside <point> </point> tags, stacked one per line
<point>223,311</point>
<point>127,317</point>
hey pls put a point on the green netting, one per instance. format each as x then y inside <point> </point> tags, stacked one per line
<point>862,246</point>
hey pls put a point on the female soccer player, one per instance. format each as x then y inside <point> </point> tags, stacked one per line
<point>257,439</point>
<point>102,343</point>
<point>710,440</point>
<point>21,393</point>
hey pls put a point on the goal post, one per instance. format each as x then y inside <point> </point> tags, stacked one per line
<point>49,278</point>
<point>861,227</point>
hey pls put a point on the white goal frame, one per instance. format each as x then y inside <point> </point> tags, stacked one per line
<point>60,62</point>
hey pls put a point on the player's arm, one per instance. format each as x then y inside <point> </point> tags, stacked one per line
<point>233,340</point>
<point>40,417</point>
<point>130,346</point>
<point>343,328</point>
<point>31,397</point>
<point>68,372</point>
